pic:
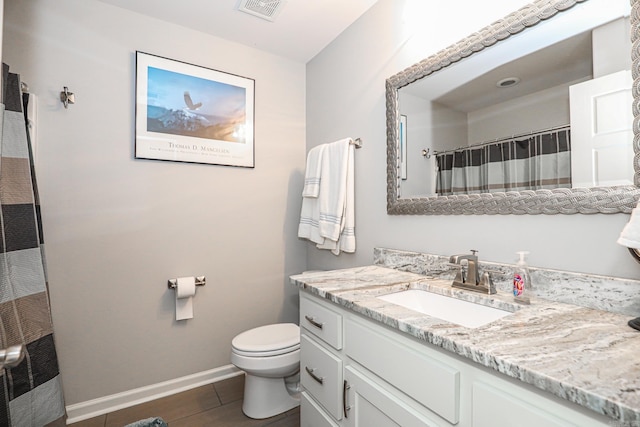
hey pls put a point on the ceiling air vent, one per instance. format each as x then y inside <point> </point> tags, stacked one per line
<point>265,9</point>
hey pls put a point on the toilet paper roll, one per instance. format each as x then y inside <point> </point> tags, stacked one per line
<point>185,290</point>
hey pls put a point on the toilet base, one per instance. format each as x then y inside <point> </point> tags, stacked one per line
<point>266,397</point>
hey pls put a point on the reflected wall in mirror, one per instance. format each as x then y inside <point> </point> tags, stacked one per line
<point>532,114</point>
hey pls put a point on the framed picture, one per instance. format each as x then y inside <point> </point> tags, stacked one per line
<point>188,113</point>
<point>403,147</point>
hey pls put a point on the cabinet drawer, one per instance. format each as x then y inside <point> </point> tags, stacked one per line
<point>311,415</point>
<point>322,322</point>
<point>321,375</point>
<point>427,380</point>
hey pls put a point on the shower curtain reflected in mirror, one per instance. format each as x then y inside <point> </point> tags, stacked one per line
<point>31,392</point>
<point>538,162</point>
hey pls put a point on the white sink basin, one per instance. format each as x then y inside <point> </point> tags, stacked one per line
<point>463,313</point>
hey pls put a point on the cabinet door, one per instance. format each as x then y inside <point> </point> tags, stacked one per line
<point>495,408</point>
<point>312,415</point>
<point>434,384</point>
<point>368,404</point>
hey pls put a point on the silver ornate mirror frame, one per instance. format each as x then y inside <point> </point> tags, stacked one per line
<point>557,201</point>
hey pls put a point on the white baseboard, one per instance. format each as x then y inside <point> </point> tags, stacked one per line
<point>103,405</point>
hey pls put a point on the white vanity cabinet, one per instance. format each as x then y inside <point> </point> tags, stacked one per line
<point>338,391</point>
<point>359,373</point>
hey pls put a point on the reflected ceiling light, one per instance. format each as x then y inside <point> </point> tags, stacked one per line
<point>508,82</point>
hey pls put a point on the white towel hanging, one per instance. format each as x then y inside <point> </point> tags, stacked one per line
<point>313,171</point>
<point>329,219</point>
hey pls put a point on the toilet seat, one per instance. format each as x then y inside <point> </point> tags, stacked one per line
<point>269,340</point>
<point>277,352</point>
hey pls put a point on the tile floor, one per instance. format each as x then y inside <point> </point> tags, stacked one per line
<point>214,405</point>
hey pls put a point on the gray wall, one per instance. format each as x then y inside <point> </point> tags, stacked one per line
<point>610,55</point>
<point>117,228</point>
<point>349,76</point>
<point>418,112</point>
<point>538,111</point>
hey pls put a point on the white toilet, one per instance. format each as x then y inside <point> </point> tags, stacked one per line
<point>269,356</point>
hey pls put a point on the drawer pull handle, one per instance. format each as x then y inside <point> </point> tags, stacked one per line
<point>313,322</point>
<point>314,376</point>
<point>345,407</point>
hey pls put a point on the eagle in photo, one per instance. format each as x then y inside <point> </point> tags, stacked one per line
<point>189,102</point>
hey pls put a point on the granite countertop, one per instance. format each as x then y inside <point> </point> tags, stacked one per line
<point>586,356</point>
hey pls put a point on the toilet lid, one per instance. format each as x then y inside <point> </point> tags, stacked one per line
<point>268,339</point>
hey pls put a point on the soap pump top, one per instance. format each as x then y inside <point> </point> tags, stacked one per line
<point>522,289</point>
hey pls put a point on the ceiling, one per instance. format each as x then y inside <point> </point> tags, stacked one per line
<point>300,31</point>
<point>562,63</point>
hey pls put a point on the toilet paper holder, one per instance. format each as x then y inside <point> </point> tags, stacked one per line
<point>172,283</point>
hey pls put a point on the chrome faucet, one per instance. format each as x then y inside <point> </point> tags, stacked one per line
<point>470,279</point>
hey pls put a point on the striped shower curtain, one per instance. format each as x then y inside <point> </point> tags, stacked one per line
<point>537,162</point>
<point>31,392</point>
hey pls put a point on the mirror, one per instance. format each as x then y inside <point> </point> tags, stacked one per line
<point>429,109</point>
